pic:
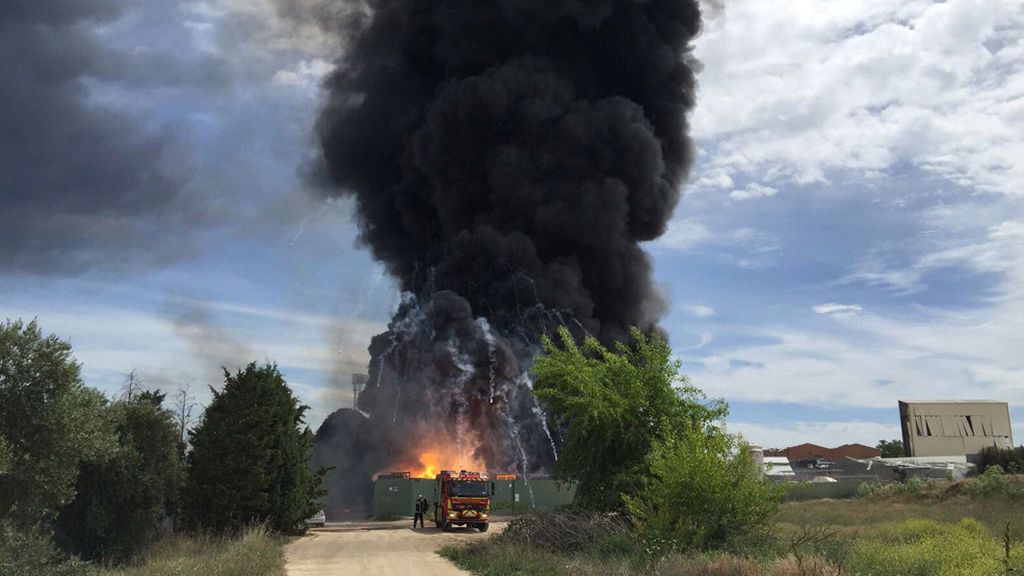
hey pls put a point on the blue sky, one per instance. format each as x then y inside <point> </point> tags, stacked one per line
<point>852,233</point>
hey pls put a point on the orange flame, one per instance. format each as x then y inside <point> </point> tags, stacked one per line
<point>433,460</point>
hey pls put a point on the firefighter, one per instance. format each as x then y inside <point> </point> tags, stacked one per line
<point>421,508</point>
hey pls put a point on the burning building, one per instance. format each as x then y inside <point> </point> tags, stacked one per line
<point>507,159</point>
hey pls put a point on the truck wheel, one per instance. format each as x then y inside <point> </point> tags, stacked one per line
<point>482,527</point>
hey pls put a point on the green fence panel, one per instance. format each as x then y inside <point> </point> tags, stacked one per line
<point>396,497</point>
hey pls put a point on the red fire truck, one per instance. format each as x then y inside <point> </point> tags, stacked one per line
<point>462,499</point>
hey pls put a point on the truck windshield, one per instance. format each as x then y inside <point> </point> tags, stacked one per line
<point>469,488</point>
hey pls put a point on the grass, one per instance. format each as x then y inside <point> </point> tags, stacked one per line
<point>255,552</point>
<point>932,529</point>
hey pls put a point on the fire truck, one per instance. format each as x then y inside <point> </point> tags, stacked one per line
<point>462,499</point>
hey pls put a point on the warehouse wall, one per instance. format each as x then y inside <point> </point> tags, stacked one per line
<point>954,428</point>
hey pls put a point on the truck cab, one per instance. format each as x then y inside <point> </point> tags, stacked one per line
<point>462,499</point>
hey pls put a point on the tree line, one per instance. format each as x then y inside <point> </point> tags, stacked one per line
<point>86,478</point>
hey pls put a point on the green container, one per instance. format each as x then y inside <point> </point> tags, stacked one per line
<point>396,497</point>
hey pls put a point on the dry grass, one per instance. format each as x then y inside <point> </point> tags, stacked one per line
<point>255,552</point>
<point>859,514</point>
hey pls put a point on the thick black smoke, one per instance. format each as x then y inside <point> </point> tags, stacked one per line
<point>507,158</point>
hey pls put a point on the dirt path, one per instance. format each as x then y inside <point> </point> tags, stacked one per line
<point>376,548</point>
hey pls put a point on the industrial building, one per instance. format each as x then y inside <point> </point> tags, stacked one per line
<point>954,428</point>
<point>803,453</point>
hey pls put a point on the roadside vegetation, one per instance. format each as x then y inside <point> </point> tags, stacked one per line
<point>254,552</point>
<point>664,490</point>
<point>90,484</point>
<point>944,529</point>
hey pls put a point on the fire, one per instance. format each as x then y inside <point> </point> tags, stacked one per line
<point>434,459</point>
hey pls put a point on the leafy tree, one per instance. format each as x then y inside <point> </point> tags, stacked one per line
<point>615,408</point>
<point>250,456</point>
<point>122,500</point>
<point>639,438</point>
<point>890,448</point>
<point>704,491</point>
<point>49,423</point>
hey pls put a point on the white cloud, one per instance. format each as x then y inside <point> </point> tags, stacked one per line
<point>838,309</point>
<point>753,190</point>
<point>683,235</point>
<point>873,359</point>
<point>698,310</point>
<point>793,90</point>
<point>307,74</point>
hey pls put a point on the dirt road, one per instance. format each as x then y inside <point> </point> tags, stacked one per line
<point>377,549</point>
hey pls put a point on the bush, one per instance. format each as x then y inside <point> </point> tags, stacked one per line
<point>121,501</point>
<point>32,553</point>
<point>930,548</point>
<point>565,531</point>
<point>704,492</point>
<point>1011,460</point>
<point>911,486</point>
<point>250,457</point>
<point>994,482</point>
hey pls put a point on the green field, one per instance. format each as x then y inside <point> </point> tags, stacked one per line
<point>972,528</point>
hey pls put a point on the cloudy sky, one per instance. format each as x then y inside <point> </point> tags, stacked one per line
<point>852,234</point>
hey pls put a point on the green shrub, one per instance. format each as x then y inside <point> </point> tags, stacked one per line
<point>994,482</point>
<point>122,500</point>
<point>929,548</point>
<point>32,553</point>
<point>1011,460</point>
<point>704,492</point>
<point>910,486</point>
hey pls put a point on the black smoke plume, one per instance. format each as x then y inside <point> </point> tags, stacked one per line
<point>507,158</point>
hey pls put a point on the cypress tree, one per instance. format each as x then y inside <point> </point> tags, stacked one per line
<point>250,457</point>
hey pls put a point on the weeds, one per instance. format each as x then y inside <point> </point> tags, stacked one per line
<point>254,552</point>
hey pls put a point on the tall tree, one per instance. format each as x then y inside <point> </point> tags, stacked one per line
<point>49,423</point>
<point>122,500</point>
<point>250,456</point>
<point>614,407</point>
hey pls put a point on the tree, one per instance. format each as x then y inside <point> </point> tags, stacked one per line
<point>891,448</point>
<point>131,385</point>
<point>250,457</point>
<point>122,500</point>
<point>704,491</point>
<point>615,407</point>
<point>49,423</point>
<point>184,418</point>
<point>640,439</point>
